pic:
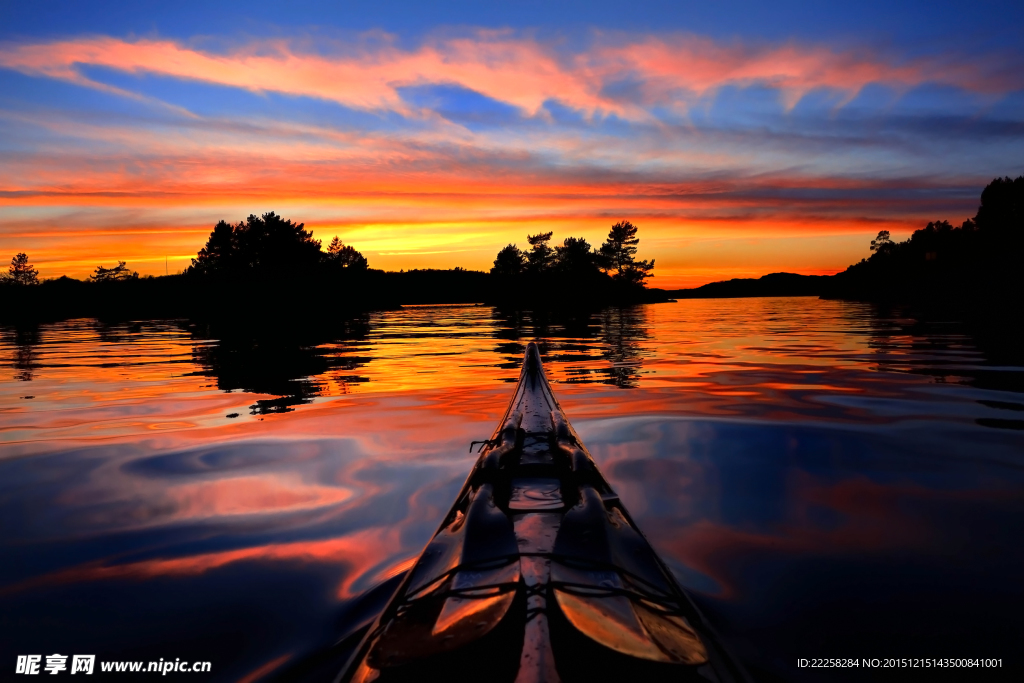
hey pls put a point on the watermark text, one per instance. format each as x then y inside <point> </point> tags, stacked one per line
<point>33,665</point>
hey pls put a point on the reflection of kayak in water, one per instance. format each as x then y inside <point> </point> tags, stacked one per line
<point>538,574</point>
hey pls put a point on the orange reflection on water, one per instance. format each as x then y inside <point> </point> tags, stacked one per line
<point>262,670</point>
<point>355,555</point>
<point>91,382</point>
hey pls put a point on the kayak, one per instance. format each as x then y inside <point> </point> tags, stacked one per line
<point>538,574</point>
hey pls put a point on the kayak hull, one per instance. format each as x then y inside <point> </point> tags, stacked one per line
<point>538,574</point>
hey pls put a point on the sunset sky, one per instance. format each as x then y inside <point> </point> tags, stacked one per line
<point>742,137</point>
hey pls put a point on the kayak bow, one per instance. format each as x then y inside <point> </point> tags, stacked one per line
<point>538,574</point>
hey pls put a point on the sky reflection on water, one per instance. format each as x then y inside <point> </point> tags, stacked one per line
<point>827,480</point>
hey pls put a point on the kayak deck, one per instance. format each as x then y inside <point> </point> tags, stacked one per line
<point>538,574</point>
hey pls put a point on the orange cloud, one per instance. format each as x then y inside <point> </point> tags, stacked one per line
<point>701,66</point>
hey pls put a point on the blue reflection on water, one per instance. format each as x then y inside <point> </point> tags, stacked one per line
<point>802,540</point>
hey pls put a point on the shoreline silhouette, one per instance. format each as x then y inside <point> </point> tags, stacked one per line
<point>269,267</point>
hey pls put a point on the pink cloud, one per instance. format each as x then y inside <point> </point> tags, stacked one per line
<point>701,66</point>
<point>522,72</point>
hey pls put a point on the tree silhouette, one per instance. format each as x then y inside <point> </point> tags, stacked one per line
<point>881,244</point>
<point>1001,214</point>
<point>541,256</point>
<point>573,272</point>
<point>509,261</point>
<point>220,252</point>
<point>575,256</point>
<point>118,273</point>
<point>343,256</point>
<point>618,253</point>
<point>267,245</point>
<point>21,272</point>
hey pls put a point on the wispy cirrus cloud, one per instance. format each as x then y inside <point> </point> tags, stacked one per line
<point>522,72</point>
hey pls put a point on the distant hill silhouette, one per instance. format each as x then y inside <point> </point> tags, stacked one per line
<point>774,284</point>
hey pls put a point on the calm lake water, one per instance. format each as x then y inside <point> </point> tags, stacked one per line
<point>826,479</point>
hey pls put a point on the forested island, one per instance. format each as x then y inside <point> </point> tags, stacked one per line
<point>271,266</point>
<point>268,265</point>
<point>978,263</point>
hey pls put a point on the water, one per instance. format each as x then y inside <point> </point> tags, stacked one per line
<point>828,480</point>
